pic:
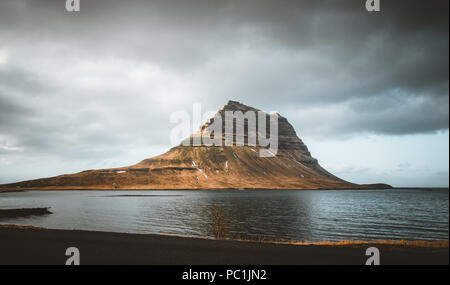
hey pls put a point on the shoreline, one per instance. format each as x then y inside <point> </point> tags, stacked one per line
<point>34,245</point>
<point>218,189</point>
<point>404,243</point>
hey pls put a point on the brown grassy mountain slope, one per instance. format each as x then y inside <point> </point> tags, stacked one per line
<point>211,167</point>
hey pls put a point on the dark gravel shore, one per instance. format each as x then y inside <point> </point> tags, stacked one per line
<point>23,245</point>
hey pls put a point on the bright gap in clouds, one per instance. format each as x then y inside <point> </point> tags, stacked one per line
<point>402,161</point>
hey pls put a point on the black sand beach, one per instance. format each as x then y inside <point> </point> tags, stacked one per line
<point>22,245</point>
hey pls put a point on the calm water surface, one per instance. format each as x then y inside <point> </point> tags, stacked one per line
<point>269,214</point>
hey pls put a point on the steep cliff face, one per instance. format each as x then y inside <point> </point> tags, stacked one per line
<point>287,137</point>
<point>189,166</point>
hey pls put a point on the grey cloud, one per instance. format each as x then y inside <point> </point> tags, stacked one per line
<point>390,114</point>
<point>330,67</point>
<point>400,114</point>
<point>443,173</point>
<point>350,53</point>
<point>403,165</point>
<point>10,112</point>
<point>20,80</point>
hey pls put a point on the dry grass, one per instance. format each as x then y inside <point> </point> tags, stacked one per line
<point>21,227</point>
<point>401,243</point>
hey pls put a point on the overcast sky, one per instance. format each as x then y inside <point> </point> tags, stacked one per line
<point>367,92</point>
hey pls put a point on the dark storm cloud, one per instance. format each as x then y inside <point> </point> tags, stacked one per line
<point>384,73</point>
<point>10,113</point>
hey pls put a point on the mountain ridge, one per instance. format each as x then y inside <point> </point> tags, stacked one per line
<point>211,167</point>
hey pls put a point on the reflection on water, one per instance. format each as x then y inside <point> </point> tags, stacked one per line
<point>265,214</point>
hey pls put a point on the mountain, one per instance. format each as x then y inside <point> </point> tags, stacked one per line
<point>188,166</point>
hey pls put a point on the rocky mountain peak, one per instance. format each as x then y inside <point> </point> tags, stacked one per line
<point>237,106</point>
<point>287,137</point>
